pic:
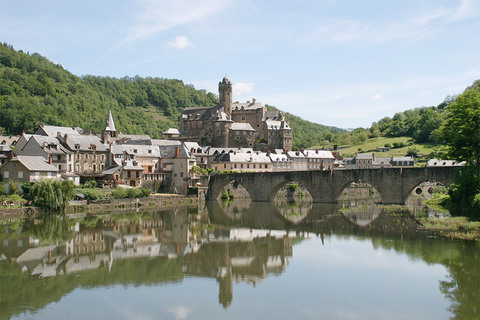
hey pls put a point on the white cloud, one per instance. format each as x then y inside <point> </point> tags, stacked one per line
<point>180,42</point>
<point>416,27</point>
<point>377,96</point>
<point>180,312</point>
<point>159,15</point>
<point>240,88</point>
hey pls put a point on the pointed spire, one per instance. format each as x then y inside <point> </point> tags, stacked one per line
<point>110,124</point>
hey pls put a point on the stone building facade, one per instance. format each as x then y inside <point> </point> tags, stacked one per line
<point>234,124</point>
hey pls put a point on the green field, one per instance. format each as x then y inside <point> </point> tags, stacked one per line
<point>424,150</point>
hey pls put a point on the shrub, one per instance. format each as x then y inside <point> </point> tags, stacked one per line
<point>90,184</point>
<point>293,187</point>
<point>26,187</point>
<point>12,186</point>
<point>91,194</point>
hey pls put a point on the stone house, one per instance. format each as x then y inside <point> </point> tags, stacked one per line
<point>444,163</point>
<point>177,162</point>
<point>299,160</point>
<point>23,169</point>
<point>49,147</point>
<point>408,161</point>
<point>5,153</point>
<point>319,160</point>
<point>280,162</point>
<point>90,154</point>
<point>128,172</point>
<point>241,161</point>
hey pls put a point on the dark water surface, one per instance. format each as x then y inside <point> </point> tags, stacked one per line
<point>237,260</point>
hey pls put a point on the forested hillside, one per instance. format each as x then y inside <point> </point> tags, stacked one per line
<point>35,91</point>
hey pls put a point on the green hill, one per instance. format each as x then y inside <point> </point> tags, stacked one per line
<point>35,91</point>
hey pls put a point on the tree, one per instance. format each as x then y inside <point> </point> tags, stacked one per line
<point>461,133</point>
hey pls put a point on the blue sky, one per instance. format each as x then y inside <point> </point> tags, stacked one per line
<point>345,63</point>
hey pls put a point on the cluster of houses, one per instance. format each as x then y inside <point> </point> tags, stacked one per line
<point>230,136</point>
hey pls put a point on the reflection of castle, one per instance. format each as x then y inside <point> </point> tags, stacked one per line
<point>235,124</point>
<point>243,255</point>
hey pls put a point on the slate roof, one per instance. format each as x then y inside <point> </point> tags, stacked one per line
<point>141,150</point>
<point>54,130</point>
<point>246,105</point>
<point>241,157</point>
<point>295,154</point>
<point>5,148</point>
<point>172,131</point>
<point>9,140</point>
<point>154,142</point>
<point>410,158</point>
<point>212,151</point>
<point>318,154</point>
<point>364,156</point>
<point>50,144</point>
<point>84,143</point>
<point>237,126</point>
<point>279,157</point>
<point>168,152</point>
<point>277,125</point>
<point>110,125</point>
<point>35,163</point>
<point>444,163</point>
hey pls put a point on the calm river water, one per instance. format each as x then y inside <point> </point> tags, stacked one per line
<point>237,260</point>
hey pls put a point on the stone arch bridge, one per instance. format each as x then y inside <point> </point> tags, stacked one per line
<point>393,184</point>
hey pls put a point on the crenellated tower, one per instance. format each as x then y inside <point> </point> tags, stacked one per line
<point>225,95</point>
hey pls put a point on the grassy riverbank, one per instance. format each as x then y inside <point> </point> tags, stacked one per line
<point>453,227</point>
<point>160,201</point>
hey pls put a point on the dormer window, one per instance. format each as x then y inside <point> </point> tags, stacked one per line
<point>77,146</point>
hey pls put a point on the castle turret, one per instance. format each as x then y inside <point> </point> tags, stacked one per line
<point>225,95</point>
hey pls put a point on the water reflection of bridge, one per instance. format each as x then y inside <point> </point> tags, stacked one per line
<point>243,247</point>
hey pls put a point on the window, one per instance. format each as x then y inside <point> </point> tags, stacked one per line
<point>20,174</point>
<point>181,174</point>
<point>6,174</point>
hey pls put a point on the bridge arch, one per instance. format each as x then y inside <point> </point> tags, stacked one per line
<point>393,184</point>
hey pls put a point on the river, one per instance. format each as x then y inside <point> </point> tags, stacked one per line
<point>237,260</point>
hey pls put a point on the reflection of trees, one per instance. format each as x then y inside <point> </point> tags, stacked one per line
<point>461,260</point>
<point>224,255</point>
<point>463,286</point>
<point>49,229</point>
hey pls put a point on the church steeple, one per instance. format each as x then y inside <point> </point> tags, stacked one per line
<point>109,132</point>
<point>110,124</point>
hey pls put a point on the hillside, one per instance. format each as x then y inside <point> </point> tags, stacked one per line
<point>35,91</point>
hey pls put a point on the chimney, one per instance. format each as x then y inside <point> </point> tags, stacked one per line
<point>254,100</point>
<point>49,159</point>
<point>177,151</point>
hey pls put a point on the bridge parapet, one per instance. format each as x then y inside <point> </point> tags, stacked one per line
<point>393,184</point>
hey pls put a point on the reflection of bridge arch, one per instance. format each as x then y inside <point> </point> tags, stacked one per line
<point>393,184</point>
<point>254,215</point>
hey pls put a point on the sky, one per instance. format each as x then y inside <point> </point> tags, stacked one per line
<point>343,63</point>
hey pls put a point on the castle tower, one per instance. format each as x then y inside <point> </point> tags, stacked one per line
<point>225,95</point>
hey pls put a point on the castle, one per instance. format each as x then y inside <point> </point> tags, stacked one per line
<point>233,124</point>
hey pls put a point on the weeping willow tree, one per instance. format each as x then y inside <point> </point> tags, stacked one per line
<point>52,194</point>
